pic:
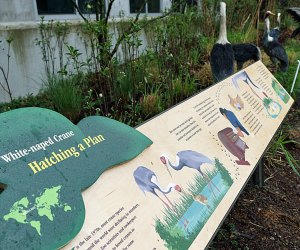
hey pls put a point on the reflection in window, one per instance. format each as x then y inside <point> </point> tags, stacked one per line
<point>87,6</point>
<point>55,7</point>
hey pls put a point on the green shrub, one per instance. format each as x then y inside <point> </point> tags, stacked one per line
<point>66,95</point>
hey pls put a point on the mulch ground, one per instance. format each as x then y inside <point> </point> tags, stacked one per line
<point>266,217</point>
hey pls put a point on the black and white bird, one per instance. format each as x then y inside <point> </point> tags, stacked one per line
<point>244,52</point>
<point>275,32</point>
<point>273,48</point>
<point>295,13</point>
<point>222,55</point>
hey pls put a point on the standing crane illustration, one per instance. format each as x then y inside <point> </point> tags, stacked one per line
<point>147,182</point>
<point>255,88</point>
<point>190,159</point>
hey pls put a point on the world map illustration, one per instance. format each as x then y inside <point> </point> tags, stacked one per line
<point>43,204</point>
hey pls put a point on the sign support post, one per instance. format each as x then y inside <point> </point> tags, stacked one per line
<point>258,174</point>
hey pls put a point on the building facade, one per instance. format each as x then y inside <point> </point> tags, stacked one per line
<point>22,59</point>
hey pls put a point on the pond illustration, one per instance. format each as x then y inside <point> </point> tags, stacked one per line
<point>280,91</point>
<point>181,224</point>
<point>273,108</point>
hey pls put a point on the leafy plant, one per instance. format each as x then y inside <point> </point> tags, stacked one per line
<point>92,103</point>
<point>150,104</point>
<point>65,92</point>
<point>279,147</point>
<point>51,42</point>
<point>5,72</point>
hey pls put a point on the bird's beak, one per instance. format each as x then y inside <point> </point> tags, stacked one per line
<point>271,13</point>
<point>168,171</point>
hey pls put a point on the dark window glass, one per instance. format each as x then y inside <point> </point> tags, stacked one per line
<point>135,6</point>
<point>154,6</point>
<point>87,6</point>
<point>179,5</point>
<point>55,7</point>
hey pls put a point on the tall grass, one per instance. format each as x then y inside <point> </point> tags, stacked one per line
<point>279,147</point>
<point>65,92</point>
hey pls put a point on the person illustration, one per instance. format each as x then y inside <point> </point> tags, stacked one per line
<point>238,128</point>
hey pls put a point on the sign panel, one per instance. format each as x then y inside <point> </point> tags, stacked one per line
<point>178,174</point>
<point>45,163</point>
<point>175,194</point>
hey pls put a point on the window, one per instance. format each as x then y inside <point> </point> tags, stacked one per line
<point>180,5</point>
<point>53,7</point>
<point>153,6</point>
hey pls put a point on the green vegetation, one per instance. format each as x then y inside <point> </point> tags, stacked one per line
<point>4,71</point>
<point>66,95</point>
<point>279,146</point>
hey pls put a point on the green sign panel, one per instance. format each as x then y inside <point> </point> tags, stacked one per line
<point>45,163</point>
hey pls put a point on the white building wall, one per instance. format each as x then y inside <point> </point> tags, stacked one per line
<point>19,20</point>
<point>17,10</point>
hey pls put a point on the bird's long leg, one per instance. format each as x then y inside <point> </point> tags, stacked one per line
<point>215,186</point>
<point>210,182</point>
<point>169,171</point>
<point>168,200</point>
<point>167,205</point>
<point>209,185</point>
<point>174,206</point>
<point>186,222</point>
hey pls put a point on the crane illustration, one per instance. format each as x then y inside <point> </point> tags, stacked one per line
<point>255,88</point>
<point>147,182</point>
<point>190,159</point>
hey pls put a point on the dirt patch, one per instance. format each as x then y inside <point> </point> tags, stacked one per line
<point>266,217</point>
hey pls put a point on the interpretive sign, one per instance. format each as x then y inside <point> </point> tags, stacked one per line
<point>173,195</point>
<point>45,163</point>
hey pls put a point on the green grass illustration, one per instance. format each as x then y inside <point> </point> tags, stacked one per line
<point>176,238</point>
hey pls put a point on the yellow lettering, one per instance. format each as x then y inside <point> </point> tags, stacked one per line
<point>47,161</point>
<point>81,147</point>
<point>100,138</point>
<point>52,160</point>
<point>35,167</point>
<point>87,141</point>
<point>43,164</point>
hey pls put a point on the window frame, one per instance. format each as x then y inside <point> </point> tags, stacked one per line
<point>146,10</point>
